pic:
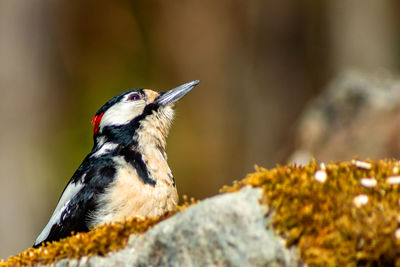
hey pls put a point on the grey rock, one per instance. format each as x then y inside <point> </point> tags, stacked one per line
<point>225,230</point>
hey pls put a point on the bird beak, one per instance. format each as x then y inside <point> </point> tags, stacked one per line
<point>177,93</point>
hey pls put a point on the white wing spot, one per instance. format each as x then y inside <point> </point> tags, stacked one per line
<point>71,190</point>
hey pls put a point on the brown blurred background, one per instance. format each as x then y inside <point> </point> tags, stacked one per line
<point>259,63</point>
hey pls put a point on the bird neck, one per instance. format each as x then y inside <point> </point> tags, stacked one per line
<point>142,146</point>
<point>150,142</point>
<point>143,142</point>
<point>153,130</point>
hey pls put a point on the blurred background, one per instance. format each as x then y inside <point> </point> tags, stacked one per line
<point>261,64</point>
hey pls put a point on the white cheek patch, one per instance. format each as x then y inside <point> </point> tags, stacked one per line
<point>122,113</point>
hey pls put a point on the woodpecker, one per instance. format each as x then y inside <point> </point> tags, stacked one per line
<point>126,174</point>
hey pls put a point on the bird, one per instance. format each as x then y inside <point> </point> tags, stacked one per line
<point>126,174</point>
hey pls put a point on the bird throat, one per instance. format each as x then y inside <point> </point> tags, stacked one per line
<point>151,141</point>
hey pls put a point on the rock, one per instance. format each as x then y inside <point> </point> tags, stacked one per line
<point>225,230</point>
<point>358,114</point>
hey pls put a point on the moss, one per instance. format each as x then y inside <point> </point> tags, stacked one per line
<point>349,219</point>
<point>339,214</point>
<point>99,241</point>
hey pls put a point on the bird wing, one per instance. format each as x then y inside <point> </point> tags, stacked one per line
<point>78,199</point>
<point>67,216</point>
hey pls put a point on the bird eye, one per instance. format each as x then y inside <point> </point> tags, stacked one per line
<point>134,97</point>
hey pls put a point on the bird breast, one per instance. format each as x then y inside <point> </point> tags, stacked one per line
<point>128,196</point>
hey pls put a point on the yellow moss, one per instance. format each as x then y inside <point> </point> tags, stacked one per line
<point>99,241</point>
<point>349,218</point>
<point>325,220</point>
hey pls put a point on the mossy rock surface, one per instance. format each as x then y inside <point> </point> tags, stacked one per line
<point>337,214</point>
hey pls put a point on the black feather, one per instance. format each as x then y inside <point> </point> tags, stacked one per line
<point>100,172</point>
<point>136,160</point>
<point>123,134</point>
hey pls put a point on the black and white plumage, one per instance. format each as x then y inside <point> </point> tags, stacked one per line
<point>126,174</point>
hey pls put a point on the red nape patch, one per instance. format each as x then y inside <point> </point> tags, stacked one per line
<point>96,122</point>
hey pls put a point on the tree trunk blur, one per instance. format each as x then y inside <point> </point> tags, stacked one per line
<point>362,34</point>
<point>24,83</point>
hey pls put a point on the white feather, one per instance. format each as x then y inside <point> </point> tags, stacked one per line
<point>121,113</point>
<point>105,148</point>
<point>66,197</point>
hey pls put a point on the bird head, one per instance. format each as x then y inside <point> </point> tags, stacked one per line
<point>138,113</point>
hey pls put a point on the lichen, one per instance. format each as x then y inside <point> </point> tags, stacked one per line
<point>351,218</point>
